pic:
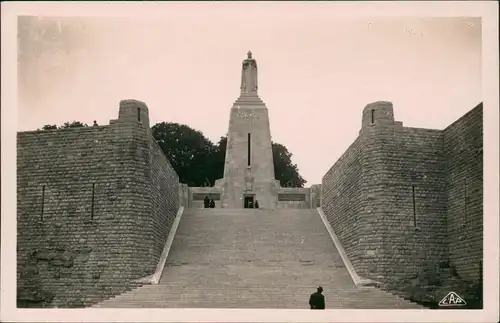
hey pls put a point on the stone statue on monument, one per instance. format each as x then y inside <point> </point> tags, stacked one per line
<point>249,75</point>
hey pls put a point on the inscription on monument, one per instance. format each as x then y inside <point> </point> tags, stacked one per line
<point>291,197</point>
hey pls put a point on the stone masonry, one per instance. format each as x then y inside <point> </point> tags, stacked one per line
<point>95,205</point>
<point>249,258</point>
<point>463,146</point>
<point>406,203</point>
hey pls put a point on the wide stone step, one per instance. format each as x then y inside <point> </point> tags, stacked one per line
<point>174,288</point>
<point>249,303</point>
<point>247,297</point>
<point>258,292</point>
<point>252,297</point>
<point>291,213</point>
<point>202,295</point>
<point>213,298</point>
<point>354,305</point>
<point>229,294</point>
<point>260,303</point>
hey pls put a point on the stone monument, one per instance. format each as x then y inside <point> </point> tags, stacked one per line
<point>249,167</point>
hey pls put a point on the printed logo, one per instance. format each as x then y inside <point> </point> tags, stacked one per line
<point>452,299</point>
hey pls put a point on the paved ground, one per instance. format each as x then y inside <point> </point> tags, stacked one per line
<point>225,258</point>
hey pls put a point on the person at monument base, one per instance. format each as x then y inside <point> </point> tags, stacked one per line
<point>256,204</point>
<point>212,204</point>
<point>206,202</point>
<point>317,300</point>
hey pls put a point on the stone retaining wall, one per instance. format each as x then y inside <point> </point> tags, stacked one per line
<point>406,203</point>
<point>463,146</point>
<point>94,209</point>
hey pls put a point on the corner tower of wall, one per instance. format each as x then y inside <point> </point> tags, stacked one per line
<point>372,187</point>
<point>400,197</point>
<point>377,114</point>
<point>403,179</point>
<point>133,111</point>
<point>157,181</point>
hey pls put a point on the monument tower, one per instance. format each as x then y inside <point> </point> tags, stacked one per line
<point>249,167</point>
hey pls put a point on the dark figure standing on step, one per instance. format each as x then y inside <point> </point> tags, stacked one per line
<point>206,202</point>
<point>212,204</point>
<point>317,300</point>
<point>256,204</point>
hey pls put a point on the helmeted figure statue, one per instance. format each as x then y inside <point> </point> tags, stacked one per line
<point>249,75</point>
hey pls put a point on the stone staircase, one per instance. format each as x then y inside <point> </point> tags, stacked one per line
<point>248,258</point>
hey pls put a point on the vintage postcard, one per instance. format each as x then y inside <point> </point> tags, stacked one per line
<point>250,161</point>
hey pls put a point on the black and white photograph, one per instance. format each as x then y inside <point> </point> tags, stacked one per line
<point>250,157</point>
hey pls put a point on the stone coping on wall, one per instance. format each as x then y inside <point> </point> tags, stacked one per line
<point>358,281</point>
<point>293,189</point>
<point>154,279</point>
<point>204,190</point>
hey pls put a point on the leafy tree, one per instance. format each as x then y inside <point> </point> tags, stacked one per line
<point>49,127</point>
<point>284,169</point>
<point>74,124</point>
<point>189,152</point>
<point>219,157</point>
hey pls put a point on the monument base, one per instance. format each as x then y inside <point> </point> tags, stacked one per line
<point>238,194</point>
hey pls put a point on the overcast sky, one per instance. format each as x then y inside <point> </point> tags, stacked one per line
<point>316,73</point>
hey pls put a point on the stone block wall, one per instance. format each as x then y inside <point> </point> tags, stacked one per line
<point>292,205</point>
<point>293,198</point>
<point>197,194</point>
<point>183,195</point>
<point>315,193</point>
<point>164,197</point>
<point>93,204</point>
<point>342,203</point>
<point>406,203</point>
<point>463,145</point>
